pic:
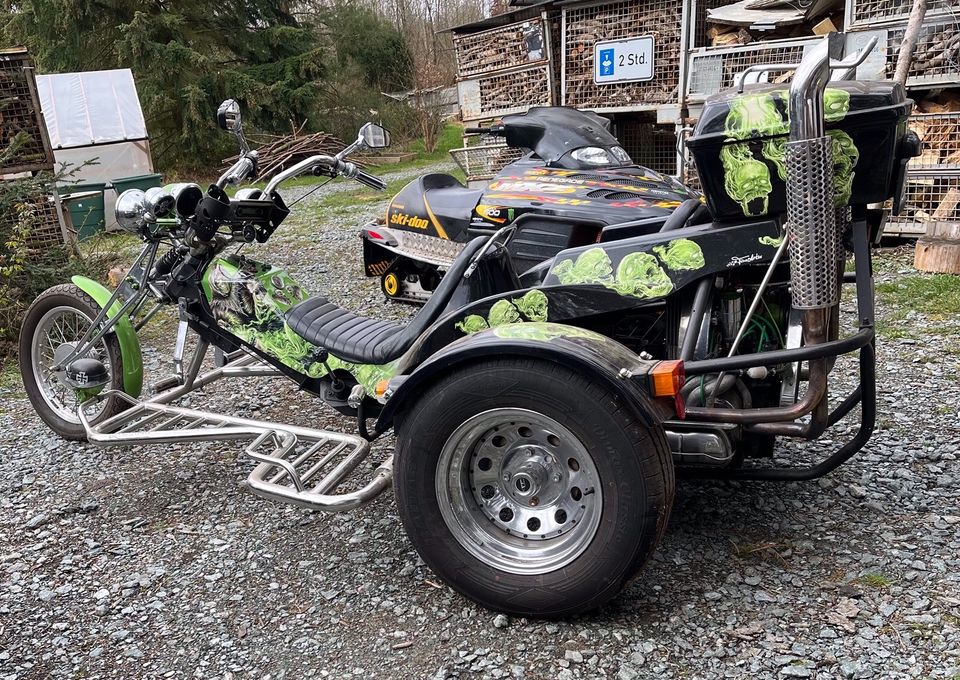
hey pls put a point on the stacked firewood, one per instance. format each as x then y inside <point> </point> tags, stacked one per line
<point>491,50</point>
<point>940,132</point>
<point>278,152</point>
<point>938,50</point>
<point>509,90</point>
<point>662,22</point>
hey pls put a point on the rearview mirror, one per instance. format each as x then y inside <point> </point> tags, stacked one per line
<point>228,115</point>
<point>374,137</point>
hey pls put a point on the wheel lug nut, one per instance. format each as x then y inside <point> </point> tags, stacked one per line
<point>557,477</point>
<point>534,502</point>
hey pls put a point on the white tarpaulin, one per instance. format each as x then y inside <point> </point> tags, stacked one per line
<point>93,107</point>
<point>96,126</point>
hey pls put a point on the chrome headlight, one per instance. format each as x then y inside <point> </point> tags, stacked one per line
<point>592,155</point>
<point>129,212</point>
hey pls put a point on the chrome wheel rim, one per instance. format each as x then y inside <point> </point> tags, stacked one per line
<point>519,491</point>
<point>56,335</point>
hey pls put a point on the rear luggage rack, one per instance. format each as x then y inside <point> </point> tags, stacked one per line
<point>299,465</point>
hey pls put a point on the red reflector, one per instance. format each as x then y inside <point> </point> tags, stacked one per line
<point>372,234</point>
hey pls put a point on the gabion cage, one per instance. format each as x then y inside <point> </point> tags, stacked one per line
<point>651,145</point>
<point>20,115</point>
<point>46,232</point>
<point>585,26</point>
<point>936,60</point>
<point>931,199</point>
<point>864,13</point>
<point>484,161</point>
<point>715,68</point>
<point>520,44</point>
<point>940,133</point>
<point>698,35</point>
<point>505,92</point>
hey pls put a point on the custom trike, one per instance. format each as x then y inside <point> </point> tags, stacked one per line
<point>540,416</point>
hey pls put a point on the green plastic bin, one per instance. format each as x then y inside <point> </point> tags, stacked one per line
<point>87,213</point>
<point>142,182</point>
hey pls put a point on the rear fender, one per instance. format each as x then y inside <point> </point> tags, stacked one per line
<point>126,335</point>
<point>606,360</point>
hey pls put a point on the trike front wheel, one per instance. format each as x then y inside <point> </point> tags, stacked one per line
<point>530,488</point>
<point>52,326</point>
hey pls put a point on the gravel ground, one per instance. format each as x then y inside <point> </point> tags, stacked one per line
<point>153,562</point>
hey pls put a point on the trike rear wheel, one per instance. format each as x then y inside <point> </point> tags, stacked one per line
<point>530,488</point>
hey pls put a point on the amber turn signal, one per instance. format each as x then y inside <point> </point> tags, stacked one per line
<point>666,378</point>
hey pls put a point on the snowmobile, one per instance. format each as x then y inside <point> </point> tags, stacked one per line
<point>540,421</point>
<point>575,179</point>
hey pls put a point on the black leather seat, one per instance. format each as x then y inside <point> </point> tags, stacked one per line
<point>363,340</point>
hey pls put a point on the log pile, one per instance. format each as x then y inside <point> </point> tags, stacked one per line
<point>510,90</point>
<point>278,152</point>
<point>19,119</point>
<point>493,50</point>
<point>939,131</point>
<point>629,19</point>
<point>937,53</point>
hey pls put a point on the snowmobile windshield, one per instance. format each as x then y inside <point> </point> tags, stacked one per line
<point>564,137</point>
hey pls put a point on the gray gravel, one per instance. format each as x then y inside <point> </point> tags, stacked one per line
<point>154,563</point>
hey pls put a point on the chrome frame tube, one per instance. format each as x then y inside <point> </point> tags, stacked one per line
<point>91,337</point>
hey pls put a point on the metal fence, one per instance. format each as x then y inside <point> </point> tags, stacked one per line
<point>864,13</point>
<point>714,69</point>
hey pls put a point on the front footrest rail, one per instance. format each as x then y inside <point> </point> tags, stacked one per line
<point>299,465</point>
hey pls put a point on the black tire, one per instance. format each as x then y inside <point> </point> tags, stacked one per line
<point>66,295</point>
<point>633,461</point>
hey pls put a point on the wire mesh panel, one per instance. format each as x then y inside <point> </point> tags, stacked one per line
<point>867,12</point>
<point>505,92</point>
<point>937,56</point>
<point>714,69</point>
<point>484,161</point>
<point>698,37</point>
<point>931,200</point>
<point>45,233</point>
<point>20,119</point>
<point>651,145</point>
<point>940,133</point>
<point>585,26</point>
<point>518,44</point>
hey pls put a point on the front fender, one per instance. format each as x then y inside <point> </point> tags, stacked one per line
<point>609,362</point>
<point>126,336</point>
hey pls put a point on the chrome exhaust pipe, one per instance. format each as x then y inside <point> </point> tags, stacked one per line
<point>811,218</point>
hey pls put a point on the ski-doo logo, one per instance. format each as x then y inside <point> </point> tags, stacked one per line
<point>412,221</point>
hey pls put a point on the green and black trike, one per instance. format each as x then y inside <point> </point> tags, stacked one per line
<point>541,416</point>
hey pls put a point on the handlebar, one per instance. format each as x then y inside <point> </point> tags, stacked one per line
<point>492,130</point>
<point>370,180</point>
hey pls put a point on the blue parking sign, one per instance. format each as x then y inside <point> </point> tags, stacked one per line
<point>606,62</point>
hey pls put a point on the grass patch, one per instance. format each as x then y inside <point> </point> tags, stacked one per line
<point>10,376</point>
<point>937,294</point>
<point>874,580</point>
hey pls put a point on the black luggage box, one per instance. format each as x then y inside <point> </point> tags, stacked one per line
<point>740,140</point>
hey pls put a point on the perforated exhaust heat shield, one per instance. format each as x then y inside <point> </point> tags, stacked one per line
<point>811,220</point>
